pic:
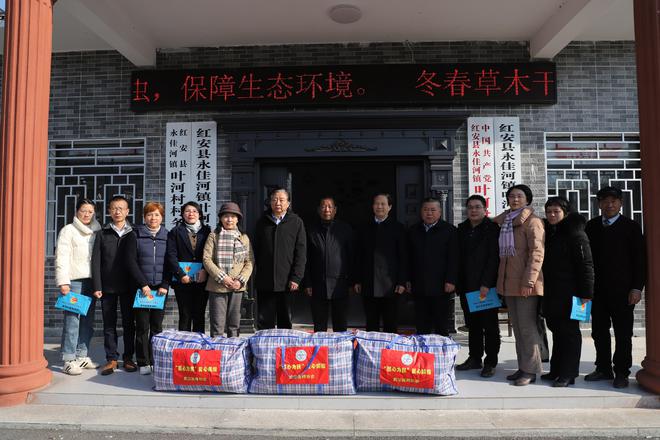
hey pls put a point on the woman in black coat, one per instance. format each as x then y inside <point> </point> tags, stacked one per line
<point>185,244</point>
<point>383,262</point>
<point>568,271</point>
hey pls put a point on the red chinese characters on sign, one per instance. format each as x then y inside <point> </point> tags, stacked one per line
<point>407,368</point>
<point>141,92</point>
<point>196,367</point>
<point>302,365</point>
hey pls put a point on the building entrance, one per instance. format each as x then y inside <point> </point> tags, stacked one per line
<point>353,185</point>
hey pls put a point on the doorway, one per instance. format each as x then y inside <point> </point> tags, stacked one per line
<point>353,184</point>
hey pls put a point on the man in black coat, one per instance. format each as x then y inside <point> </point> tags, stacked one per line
<point>382,267</point>
<point>328,273</point>
<point>479,261</point>
<point>617,246</point>
<point>280,251</point>
<point>433,268</point>
<point>114,246</point>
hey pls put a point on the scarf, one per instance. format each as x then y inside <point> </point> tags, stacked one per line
<point>507,244</point>
<point>229,249</point>
<point>194,228</point>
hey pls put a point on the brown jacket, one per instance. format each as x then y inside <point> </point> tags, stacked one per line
<point>242,271</point>
<point>523,269</point>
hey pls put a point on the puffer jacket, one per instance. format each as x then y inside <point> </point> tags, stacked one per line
<point>241,271</point>
<point>73,256</point>
<point>524,268</point>
<point>150,267</point>
<point>567,266</point>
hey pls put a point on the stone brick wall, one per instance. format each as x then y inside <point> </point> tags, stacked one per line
<point>90,98</point>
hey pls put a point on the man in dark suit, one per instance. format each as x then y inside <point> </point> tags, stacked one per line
<point>328,273</point>
<point>619,259</point>
<point>383,264</point>
<point>433,268</point>
<point>280,251</point>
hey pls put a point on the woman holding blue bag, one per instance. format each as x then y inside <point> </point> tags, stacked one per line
<point>568,271</point>
<point>149,269</point>
<point>73,273</point>
<point>185,244</point>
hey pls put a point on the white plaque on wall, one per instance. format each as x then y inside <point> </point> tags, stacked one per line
<point>507,157</point>
<point>191,169</point>
<point>481,166</point>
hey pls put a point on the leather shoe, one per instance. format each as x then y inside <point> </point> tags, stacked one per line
<point>598,375</point>
<point>525,379</point>
<point>620,382</point>
<point>549,376</point>
<point>469,364</point>
<point>515,375</point>
<point>487,371</point>
<point>109,368</point>
<point>563,382</point>
<point>130,366</point>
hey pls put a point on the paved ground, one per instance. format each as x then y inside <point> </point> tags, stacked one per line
<point>126,402</point>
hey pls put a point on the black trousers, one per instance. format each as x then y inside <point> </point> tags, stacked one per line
<point>109,309</point>
<point>337,306</point>
<point>566,347</point>
<point>484,333</point>
<point>385,308</point>
<point>273,308</point>
<point>191,300</point>
<point>432,314</point>
<point>148,322</point>
<point>606,314</point>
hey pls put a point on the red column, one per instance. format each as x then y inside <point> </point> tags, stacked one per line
<point>23,155</point>
<point>647,41</point>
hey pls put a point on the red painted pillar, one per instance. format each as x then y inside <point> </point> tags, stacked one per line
<point>23,155</point>
<point>647,41</point>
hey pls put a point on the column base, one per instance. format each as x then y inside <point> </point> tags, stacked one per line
<point>16,384</point>
<point>649,376</point>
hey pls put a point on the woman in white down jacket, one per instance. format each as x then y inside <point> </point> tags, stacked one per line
<point>73,273</point>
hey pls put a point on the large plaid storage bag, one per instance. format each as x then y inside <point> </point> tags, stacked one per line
<point>416,364</point>
<point>185,361</point>
<point>295,362</point>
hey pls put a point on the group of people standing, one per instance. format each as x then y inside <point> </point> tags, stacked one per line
<point>118,261</point>
<point>538,266</point>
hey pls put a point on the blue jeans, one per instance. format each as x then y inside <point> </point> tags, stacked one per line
<point>78,330</point>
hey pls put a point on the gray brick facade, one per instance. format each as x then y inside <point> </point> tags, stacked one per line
<point>90,97</point>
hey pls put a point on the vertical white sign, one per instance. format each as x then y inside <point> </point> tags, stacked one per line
<point>190,169</point>
<point>204,140</point>
<point>507,158</point>
<point>481,165</point>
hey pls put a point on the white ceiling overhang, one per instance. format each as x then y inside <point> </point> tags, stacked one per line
<point>138,28</point>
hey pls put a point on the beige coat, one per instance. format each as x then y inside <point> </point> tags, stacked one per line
<point>523,269</point>
<point>242,271</point>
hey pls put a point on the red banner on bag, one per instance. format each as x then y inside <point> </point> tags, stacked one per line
<point>407,368</point>
<point>300,366</point>
<point>196,367</point>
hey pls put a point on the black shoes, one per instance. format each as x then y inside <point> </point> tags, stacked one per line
<point>598,375</point>
<point>525,379</point>
<point>620,382</point>
<point>469,364</point>
<point>487,371</point>
<point>515,375</point>
<point>549,376</point>
<point>562,382</point>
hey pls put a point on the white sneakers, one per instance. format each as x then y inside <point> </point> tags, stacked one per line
<point>87,364</point>
<point>145,370</point>
<point>76,367</point>
<point>72,368</point>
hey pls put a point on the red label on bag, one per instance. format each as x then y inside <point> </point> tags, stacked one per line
<point>407,368</point>
<point>196,367</point>
<point>300,366</point>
